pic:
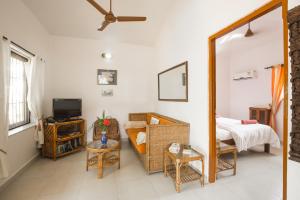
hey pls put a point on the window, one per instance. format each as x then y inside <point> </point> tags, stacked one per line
<point>19,114</point>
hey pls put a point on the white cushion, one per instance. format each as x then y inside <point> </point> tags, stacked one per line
<point>154,120</point>
<point>135,124</point>
<point>141,138</point>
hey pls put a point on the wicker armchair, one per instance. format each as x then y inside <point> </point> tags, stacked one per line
<point>113,131</point>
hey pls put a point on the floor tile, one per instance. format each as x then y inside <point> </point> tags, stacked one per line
<point>258,177</point>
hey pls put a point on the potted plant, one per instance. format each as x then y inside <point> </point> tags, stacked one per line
<point>104,123</point>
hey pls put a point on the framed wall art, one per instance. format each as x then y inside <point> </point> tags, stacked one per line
<point>106,77</point>
<point>107,93</point>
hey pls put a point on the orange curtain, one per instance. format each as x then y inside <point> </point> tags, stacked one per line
<point>277,92</point>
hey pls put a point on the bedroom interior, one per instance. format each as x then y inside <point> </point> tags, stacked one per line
<point>249,72</point>
<point>138,99</point>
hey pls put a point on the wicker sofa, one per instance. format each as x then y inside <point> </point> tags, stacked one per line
<point>158,138</point>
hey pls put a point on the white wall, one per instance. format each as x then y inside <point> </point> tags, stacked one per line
<point>223,76</point>
<point>73,74</point>
<point>20,25</point>
<point>256,91</point>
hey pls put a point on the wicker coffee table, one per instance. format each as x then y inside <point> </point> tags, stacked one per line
<point>104,155</point>
<point>178,168</point>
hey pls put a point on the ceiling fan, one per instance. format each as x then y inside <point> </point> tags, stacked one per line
<point>111,18</point>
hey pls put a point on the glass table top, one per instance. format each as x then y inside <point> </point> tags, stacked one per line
<point>186,152</point>
<point>98,145</point>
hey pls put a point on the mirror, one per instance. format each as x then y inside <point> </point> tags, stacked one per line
<point>173,83</point>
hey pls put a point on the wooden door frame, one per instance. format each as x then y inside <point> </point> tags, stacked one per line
<point>272,5</point>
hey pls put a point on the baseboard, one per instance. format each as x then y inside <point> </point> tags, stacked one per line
<point>16,174</point>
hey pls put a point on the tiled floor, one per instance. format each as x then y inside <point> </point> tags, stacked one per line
<point>258,177</point>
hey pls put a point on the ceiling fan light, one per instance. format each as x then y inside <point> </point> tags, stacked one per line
<point>249,32</point>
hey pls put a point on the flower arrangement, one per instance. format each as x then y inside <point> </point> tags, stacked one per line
<point>103,122</point>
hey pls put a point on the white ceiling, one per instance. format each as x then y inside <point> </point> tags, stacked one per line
<point>266,29</point>
<point>77,18</point>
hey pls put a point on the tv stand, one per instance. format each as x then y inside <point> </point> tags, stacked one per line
<point>67,119</point>
<point>64,138</point>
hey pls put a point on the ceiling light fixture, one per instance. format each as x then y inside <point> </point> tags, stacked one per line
<point>249,32</point>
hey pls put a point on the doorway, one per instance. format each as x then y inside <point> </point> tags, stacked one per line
<point>212,84</point>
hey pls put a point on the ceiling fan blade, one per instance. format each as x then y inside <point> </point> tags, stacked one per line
<point>130,19</point>
<point>104,25</point>
<point>98,7</point>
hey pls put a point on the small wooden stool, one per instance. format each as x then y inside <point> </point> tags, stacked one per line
<point>226,164</point>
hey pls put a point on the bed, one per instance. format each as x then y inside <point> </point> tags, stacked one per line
<point>232,131</point>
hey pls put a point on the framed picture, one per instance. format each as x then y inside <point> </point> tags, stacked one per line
<point>106,77</point>
<point>107,93</point>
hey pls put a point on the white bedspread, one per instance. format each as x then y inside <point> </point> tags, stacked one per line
<point>223,134</point>
<point>247,136</point>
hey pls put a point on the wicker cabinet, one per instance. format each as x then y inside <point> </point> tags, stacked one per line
<point>261,114</point>
<point>63,138</point>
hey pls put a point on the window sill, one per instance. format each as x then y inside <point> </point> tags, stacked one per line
<point>20,129</point>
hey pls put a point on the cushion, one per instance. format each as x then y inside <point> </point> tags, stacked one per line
<point>154,120</point>
<point>249,121</point>
<point>132,135</point>
<point>135,124</point>
<point>162,120</point>
<point>141,138</point>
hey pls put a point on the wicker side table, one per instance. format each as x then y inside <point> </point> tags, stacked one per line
<point>178,168</point>
<point>104,155</point>
<point>226,164</point>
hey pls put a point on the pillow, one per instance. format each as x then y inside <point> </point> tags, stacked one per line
<point>135,124</point>
<point>227,121</point>
<point>141,138</point>
<point>249,121</point>
<point>154,120</point>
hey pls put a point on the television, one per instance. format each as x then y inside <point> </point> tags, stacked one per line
<point>66,108</point>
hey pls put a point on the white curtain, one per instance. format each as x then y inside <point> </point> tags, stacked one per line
<point>35,79</point>
<point>4,93</point>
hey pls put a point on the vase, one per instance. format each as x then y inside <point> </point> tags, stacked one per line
<point>103,137</point>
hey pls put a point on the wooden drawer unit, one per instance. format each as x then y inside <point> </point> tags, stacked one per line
<point>261,114</point>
